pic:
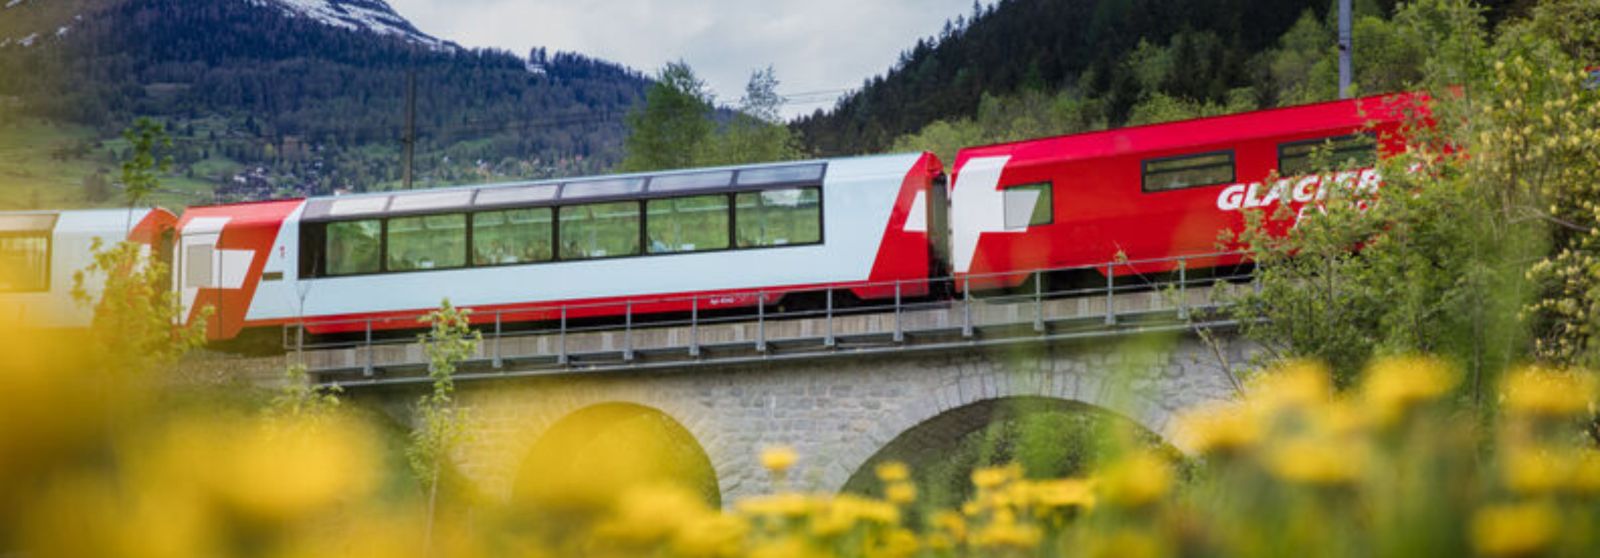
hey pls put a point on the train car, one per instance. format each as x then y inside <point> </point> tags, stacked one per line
<point>639,244</point>
<point>1146,193</point>
<point>41,251</point>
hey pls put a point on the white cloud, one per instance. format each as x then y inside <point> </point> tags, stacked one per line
<point>815,45</point>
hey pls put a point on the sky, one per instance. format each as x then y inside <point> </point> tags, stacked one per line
<point>819,48</point>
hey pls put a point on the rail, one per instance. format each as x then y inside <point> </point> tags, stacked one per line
<point>975,312</point>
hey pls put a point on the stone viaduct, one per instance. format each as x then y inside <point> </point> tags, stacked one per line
<point>838,409</point>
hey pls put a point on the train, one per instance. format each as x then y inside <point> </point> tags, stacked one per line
<point>845,230</point>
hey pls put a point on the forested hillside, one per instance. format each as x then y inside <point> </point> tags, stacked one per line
<point>1095,63</point>
<point>264,103</point>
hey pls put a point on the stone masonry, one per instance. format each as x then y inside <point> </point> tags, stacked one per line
<point>838,411</point>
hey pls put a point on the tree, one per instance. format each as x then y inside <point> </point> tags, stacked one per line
<point>141,172</point>
<point>442,426</point>
<point>755,134</point>
<point>675,120</point>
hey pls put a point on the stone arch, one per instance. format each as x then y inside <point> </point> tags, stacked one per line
<point>991,432</point>
<point>597,452</point>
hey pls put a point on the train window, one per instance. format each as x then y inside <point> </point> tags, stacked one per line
<point>1174,173</point>
<point>513,237</point>
<point>696,181</point>
<point>599,230</point>
<point>1306,157</point>
<point>690,224</point>
<point>198,266</point>
<point>780,175</point>
<point>24,262</point>
<point>778,217</point>
<point>427,242</point>
<point>1028,205</point>
<point>354,247</point>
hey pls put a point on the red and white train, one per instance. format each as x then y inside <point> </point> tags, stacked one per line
<point>708,239</point>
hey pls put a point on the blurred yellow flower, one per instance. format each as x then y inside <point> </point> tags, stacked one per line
<point>1316,461</point>
<point>1007,534</point>
<point>893,471</point>
<point>1532,471</point>
<point>1395,385</point>
<point>1293,386</point>
<point>778,459</point>
<point>952,523</point>
<point>989,477</point>
<point>900,493</point>
<point>1586,473</point>
<point>1536,391</point>
<point>652,514</point>
<point>1217,429</point>
<point>712,536</point>
<point>1125,543</point>
<point>1064,493</point>
<point>786,504</point>
<point>1514,529</point>
<point>1137,480</point>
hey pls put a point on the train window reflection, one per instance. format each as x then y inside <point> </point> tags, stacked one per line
<point>513,237</point>
<point>688,224</point>
<point>1344,152</point>
<point>1175,173</point>
<point>427,242</point>
<point>778,217</point>
<point>599,230</point>
<point>354,247</point>
<point>24,263</point>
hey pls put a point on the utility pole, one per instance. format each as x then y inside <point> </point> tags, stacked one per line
<point>1344,49</point>
<point>411,124</point>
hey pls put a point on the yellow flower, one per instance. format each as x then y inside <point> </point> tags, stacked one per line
<point>1531,471</point>
<point>1316,461</point>
<point>990,477</point>
<point>952,523</point>
<point>653,514</point>
<point>786,504</point>
<point>1007,534</point>
<point>1293,386</point>
<point>712,536</point>
<point>778,459</point>
<point>893,471</point>
<point>1125,543</point>
<point>1217,429</point>
<point>1538,391</point>
<point>1065,493</point>
<point>1586,473</point>
<point>1514,529</point>
<point>1395,385</point>
<point>901,493</point>
<point>1137,481</point>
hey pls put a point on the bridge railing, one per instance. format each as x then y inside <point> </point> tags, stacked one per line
<point>563,338</point>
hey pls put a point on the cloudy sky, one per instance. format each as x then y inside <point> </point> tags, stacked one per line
<point>818,47</point>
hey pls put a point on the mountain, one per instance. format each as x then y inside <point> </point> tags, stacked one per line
<point>292,97</point>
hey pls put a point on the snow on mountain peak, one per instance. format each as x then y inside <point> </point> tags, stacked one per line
<point>359,15</point>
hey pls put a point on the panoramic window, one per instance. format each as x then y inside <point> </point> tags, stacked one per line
<point>427,242</point>
<point>354,247</point>
<point>779,217</point>
<point>1176,173</point>
<point>24,263</point>
<point>599,230</point>
<point>1028,205</point>
<point>689,224</point>
<point>1344,152</point>
<point>513,237</point>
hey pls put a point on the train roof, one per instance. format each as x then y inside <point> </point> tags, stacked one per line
<point>1168,136</point>
<point>577,189</point>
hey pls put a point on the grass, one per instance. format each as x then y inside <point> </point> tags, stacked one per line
<point>31,177</point>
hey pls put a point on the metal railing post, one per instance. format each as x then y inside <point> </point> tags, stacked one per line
<point>1111,290</point>
<point>899,326</point>
<point>761,322</point>
<point>627,332</point>
<point>694,326</point>
<point>561,354</point>
<point>829,341</point>
<point>1183,288</point>
<point>498,334</point>
<point>966,308</point>
<point>367,371</point>
<point>1038,302</point>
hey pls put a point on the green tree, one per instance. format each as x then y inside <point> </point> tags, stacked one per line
<point>442,426</point>
<point>142,170</point>
<point>755,133</point>
<point>133,327</point>
<point>667,132</point>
